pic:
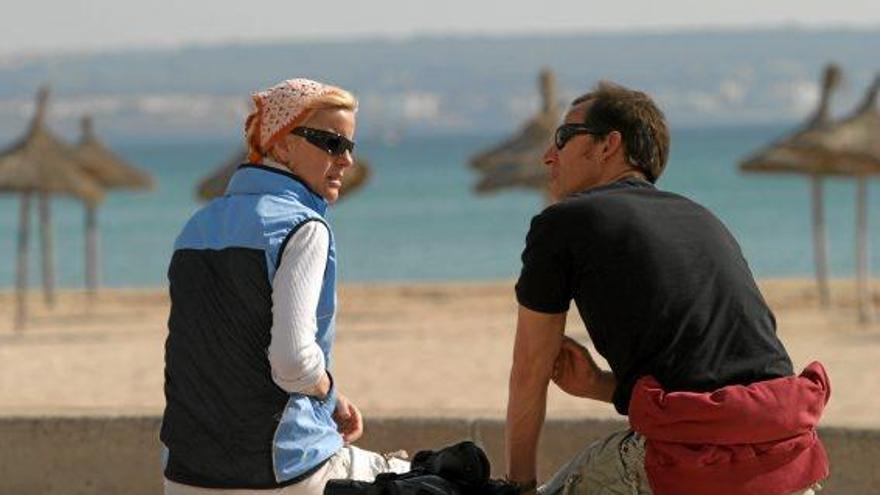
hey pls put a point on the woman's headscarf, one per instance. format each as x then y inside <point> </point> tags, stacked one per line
<point>278,110</point>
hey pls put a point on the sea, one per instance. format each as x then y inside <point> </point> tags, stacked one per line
<point>419,220</point>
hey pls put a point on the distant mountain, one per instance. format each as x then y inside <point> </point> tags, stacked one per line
<point>461,84</point>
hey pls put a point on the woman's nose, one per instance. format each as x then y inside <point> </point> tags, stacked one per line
<point>346,159</point>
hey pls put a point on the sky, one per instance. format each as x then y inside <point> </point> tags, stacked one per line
<point>40,26</point>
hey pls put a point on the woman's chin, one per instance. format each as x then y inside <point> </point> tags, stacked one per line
<point>331,194</point>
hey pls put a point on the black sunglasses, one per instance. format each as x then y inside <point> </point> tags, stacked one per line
<point>565,132</point>
<point>330,142</point>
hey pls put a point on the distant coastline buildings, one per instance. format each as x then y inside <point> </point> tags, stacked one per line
<point>435,85</point>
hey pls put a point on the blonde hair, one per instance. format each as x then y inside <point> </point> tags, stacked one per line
<point>332,98</point>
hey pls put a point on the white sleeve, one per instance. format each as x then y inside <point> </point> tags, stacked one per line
<point>296,360</point>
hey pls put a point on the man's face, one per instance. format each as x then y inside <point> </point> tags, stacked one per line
<point>578,165</point>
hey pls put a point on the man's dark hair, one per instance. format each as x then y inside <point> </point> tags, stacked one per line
<point>634,115</point>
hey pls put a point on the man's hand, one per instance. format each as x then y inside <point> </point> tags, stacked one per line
<point>577,373</point>
<point>348,419</point>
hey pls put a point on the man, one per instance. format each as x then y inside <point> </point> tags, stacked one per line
<point>670,303</point>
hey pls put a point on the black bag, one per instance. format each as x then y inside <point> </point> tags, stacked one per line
<point>460,469</point>
<point>464,463</point>
<point>394,484</point>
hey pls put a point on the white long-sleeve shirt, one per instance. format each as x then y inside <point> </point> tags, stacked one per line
<point>296,360</point>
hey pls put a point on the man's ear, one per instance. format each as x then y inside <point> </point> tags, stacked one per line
<point>613,142</point>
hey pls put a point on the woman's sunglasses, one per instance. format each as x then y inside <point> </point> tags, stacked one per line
<point>565,132</point>
<point>332,143</point>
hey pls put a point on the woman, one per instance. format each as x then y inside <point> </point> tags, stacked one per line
<point>250,401</point>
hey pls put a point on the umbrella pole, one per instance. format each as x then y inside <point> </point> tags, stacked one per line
<point>21,276</point>
<point>91,251</point>
<point>46,248</point>
<point>820,242</point>
<point>862,278</point>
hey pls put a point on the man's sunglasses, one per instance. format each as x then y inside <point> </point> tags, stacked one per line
<point>565,132</point>
<point>330,142</point>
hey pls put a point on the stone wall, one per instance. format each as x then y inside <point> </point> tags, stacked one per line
<point>120,454</point>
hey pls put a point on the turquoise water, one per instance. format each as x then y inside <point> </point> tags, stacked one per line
<point>418,219</point>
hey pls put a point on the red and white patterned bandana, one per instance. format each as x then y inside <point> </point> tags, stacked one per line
<point>279,109</point>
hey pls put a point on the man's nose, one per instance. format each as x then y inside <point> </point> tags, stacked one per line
<point>551,155</point>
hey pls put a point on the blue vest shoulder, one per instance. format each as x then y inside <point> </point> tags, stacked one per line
<point>264,222</point>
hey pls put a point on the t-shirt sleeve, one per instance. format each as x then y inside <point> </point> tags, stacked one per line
<point>544,283</point>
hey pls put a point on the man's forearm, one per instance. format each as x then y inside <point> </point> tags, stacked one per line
<point>537,343</point>
<point>526,410</point>
<point>524,424</point>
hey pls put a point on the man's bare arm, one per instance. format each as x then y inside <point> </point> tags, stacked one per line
<point>538,339</point>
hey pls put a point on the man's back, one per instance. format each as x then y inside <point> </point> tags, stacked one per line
<point>661,285</point>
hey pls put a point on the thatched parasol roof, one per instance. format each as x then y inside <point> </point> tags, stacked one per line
<point>847,147</point>
<point>355,177</point>
<point>215,184</point>
<point>783,155</point>
<point>517,161</point>
<point>40,161</point>
<point>510,175</point>
<point>111,171</point>
<point>853,142</point>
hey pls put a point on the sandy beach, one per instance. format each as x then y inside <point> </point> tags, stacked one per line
<point>433,349</point>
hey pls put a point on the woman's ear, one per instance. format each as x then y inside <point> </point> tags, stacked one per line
<point>280,151</point>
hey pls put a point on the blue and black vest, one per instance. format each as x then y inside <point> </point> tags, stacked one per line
<point>226,423</point>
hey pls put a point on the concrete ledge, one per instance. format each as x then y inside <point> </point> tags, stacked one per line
<point>120,454</point>
<point>63,455</point>
<point>855,460</point>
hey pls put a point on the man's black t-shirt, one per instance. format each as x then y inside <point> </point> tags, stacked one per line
<point>661,285</point>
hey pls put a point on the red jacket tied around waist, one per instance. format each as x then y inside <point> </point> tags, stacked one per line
<point>757,439</point>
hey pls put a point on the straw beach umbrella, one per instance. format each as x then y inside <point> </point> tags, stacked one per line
<point>215,184</point>
<point>517,160</point>
<point>111,172</point>
<point>854,144</point>
<point>853,141</point>
<point>848,147</point>
<point>783,156</point>
<point>40,163</point>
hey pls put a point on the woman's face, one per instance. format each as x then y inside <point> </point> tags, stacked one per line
<point>320,170</point>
